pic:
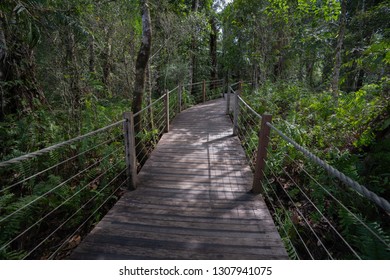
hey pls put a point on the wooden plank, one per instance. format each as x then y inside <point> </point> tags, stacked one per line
<point>189,193</point>
<point>257,242</point>
<point>120,252</point>
<point>183,234</point>
<point>130,222</point>
<point>167,246</point>
<point>126,229</point>
<point>216,214</point>
<point>187,205</point>
<point>192,200</point>
<point>185,218</point>
<point>191,184</point>
<point>174,168</point>
<point>246,173</point>
<point>196,179</point>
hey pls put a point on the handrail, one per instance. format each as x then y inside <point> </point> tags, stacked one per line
<point>194,84</point>
<point>232,85</point>
<point>380,201</point>
<point>150,105</point>
<point>75,139</point>
<point>273,183</point>
<point>56,146</point>
<point>198,83</point>
<point>172,90</point>
<point>250,108</point>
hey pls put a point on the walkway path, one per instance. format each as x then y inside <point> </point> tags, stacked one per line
<point>193,200</point>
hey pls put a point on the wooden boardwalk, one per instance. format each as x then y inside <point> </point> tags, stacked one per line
<point>192,201</point>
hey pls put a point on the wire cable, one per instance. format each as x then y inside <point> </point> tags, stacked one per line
<point>67,220</point>
<point>322,215</point>
<point>56,146</point>
<point>58,207</point>
<point>303,217</point>
<point>94,212</point>
<point>250,108</point>
<point>286,212</point>
<point>344,207</point>
<point>58,164</point>
<point>56,187</point>
<point>150,105</point>
<point>383,203</point>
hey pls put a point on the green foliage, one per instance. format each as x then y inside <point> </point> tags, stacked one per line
<point>362,239</point>
<point>56,195</point>
<point>188,99</point>
<point>288,228</point>
<point>148,136</point>
<point>345,134</point>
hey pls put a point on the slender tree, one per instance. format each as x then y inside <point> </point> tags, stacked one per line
<point>195,6</point>
<point>142,62</point>
<point>19,35</point>
<point>339,49</point>
<point>213,48</point>
<point>3,54</point>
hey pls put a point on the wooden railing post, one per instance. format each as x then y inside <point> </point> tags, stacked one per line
<point>130,155</point>
<point>223,88</point>
<point>204,91</point>
<point>179,93</point>
<point>166,111</point>
<point>236,109</point>
<point>228,101</point>
<point>261,154</point>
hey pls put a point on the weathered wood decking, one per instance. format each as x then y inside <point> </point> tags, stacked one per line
<point>192,201</point>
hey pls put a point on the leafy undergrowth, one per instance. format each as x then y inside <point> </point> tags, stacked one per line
<point>58,206</point>
<point>352,134</point>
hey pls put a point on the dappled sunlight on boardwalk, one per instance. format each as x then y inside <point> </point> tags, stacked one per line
<point>193,200</point>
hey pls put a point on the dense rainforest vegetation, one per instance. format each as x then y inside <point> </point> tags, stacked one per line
<point>321,67</point>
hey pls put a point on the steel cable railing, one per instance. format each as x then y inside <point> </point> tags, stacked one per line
<point>204,91</point>
<point>55,209</point>
<point>56,146</point>
<point>54,254</point>
<point>323,217</point>
<point>306,219</point>
<point>59,164</point>
<point>173,103</point>
<point>334,172</point>
<point>359,220</point>
<point>291,248</point>
<point>32,203</point>
<point>82,207</point>
<point>51,190</point>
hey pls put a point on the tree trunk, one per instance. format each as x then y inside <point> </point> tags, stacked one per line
<point>142,63</point>
<point>74,82</point>
<point>19,91</point>
<point>149,95</point>
<point>195,6</point>
<point>213,50</point>
<point>3,55</point>
<point>92,68</point>
<point>309,71</point>
<point>108,61</point>
<point>279,66</point>
<point>339,48</point>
